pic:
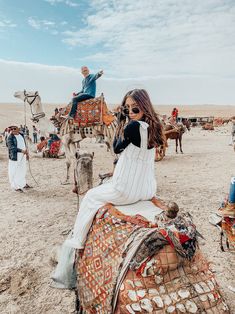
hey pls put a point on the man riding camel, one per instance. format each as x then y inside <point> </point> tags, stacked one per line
<point>88,89</point>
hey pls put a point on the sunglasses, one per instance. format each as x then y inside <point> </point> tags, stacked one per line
<point>133,110</point>
<point>13,129</point>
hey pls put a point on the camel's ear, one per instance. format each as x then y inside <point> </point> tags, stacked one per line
<point>92,154</point>
<point>36,93</point>
<point>77,155</point>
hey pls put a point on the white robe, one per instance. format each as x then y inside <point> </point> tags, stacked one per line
<point>17,169</point>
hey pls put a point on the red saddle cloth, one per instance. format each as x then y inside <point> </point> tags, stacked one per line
<point>55,148</point>
<point>89,112</point>
<point>92,112</point>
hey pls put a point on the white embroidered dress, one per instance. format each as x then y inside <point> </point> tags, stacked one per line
<point>133,180</point>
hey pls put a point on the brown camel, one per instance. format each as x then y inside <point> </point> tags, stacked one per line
<point>173,132</point>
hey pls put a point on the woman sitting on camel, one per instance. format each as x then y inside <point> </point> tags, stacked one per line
<point>133,178</point>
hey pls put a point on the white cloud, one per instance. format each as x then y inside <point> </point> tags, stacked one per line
<point>56,84</point>
<point>4,24</point>
<point>66,2</point>
<point>160,37</point>
<point>42,24</point>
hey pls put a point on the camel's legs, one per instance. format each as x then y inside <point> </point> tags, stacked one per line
<point>176,145</point>
<point>180,141</point>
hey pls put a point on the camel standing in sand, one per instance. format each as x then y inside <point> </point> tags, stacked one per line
<point>70,136</point>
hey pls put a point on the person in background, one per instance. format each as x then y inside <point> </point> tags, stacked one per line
<point>88,89</point>
<point>18,154</point>
<point>42,144</point>
<point>35,135</point>
<point>52,138</point>
<point>174,114</point>
<point>21,129</point>
<point>26,130</point>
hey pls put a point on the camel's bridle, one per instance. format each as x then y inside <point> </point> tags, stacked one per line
<point>35,116</point>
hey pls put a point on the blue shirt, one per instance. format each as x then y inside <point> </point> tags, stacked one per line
<point>89,84</point>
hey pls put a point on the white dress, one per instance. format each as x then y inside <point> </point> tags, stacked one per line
<point>133,180</point>
<point>17,168</point>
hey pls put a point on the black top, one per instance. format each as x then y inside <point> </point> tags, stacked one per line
<point>131,135</point>
<point>12,146</point>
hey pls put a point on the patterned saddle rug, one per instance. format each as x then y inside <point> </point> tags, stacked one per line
<point>92,112</point>
<point>131,264</point>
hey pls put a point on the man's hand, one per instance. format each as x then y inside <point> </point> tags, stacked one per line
<point>101,72</point>
<point>24,151</point>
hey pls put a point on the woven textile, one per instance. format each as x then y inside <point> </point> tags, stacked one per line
<point>89,112</point>
<point>171,284</point>
<point>98,268</point>
<point>166,282</point>
<point>228,226</point>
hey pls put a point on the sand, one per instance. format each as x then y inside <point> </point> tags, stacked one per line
<point>33,224</point>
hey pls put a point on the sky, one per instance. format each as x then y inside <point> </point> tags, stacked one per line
<point>180,51</point>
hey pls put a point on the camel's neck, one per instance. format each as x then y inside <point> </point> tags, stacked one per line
<point>32,147</point>
<point>46,127</point>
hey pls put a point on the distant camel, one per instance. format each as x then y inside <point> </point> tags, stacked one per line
<point>173,132</point>
<point>70,135</point>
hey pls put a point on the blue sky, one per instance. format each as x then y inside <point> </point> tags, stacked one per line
<point>181,51</point>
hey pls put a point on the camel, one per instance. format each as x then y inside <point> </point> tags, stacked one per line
<point>30,145</point>
<point>173,132</point>
<point>70,135</point>
<point>83,172</point>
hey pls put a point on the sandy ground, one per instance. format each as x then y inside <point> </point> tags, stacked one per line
<point>33,224</point>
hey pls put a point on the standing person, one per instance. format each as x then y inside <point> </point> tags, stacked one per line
<point>26,130</point>
<point>17,159</point>
<point>35,135</point>
<point>174,114</point>
<point>21,129</point>
<point>88,89</point>
<point>133,178</point>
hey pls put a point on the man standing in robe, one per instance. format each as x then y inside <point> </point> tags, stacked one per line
<point>18,154</point>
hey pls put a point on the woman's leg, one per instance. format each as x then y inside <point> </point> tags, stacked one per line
<point>92,201</point>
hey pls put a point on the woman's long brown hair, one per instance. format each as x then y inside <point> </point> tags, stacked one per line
<point>155,131</point>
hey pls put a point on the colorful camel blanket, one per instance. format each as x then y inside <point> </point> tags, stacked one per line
<point>92,112</point>
<point>118,244</point>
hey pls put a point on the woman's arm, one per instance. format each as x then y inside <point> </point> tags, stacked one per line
<point>131,135</point>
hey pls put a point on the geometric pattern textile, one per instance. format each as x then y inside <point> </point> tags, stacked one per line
<point>168,283</point>
<point>98,268</point>
<point>89,112</point>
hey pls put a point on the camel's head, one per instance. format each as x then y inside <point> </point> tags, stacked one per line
<point>34,100</point>
<point>84,171</point>
<point>20,95</point>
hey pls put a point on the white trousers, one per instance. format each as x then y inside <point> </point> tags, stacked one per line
<point>92,201</point>
<point>17,172</point>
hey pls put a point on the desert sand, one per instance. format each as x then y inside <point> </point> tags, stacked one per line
<point>33,224</point>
